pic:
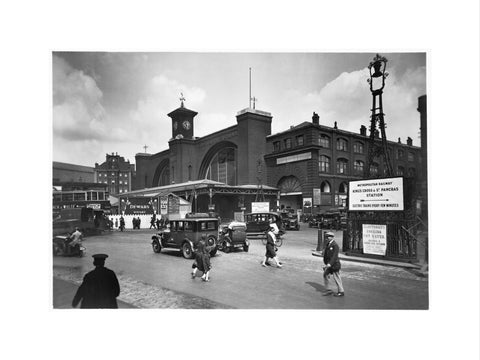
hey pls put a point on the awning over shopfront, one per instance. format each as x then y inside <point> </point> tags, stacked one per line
<point>201,187</point>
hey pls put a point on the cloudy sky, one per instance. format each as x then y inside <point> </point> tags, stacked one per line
<point>118,102</point>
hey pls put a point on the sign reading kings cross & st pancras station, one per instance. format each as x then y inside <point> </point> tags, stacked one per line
<point>376,195</point>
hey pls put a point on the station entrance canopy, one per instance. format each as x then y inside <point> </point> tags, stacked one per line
<point>202,196</point>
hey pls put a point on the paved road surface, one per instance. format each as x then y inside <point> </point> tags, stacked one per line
<point>238,281</point>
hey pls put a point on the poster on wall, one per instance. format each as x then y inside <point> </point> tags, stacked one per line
<point>374,239</point>
<point>376,195</point>
<point>316,197</point>
<point>164,205</point>
<point>260,207</point>
<point>139,206</point>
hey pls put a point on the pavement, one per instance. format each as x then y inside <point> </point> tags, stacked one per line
<point>64,291</point>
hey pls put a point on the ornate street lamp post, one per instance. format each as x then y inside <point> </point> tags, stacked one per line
<point>377,83</point>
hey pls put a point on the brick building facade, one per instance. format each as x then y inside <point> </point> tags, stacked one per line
<point>314,163</point>
<point>115,172</point>
<point>308,163</point>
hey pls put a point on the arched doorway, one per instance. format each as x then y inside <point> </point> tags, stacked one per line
<point>290,193</point>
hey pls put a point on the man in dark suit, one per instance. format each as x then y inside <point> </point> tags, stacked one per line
<point>100,287</point>
<point>332,266</point>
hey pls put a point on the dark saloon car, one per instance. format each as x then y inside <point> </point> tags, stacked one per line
<point>258,223</point>
<point>290,221</point>
<point>184,234</point>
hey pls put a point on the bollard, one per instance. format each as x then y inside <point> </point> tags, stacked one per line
<point>320,240</point>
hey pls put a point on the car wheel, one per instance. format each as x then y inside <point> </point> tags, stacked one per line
<point>187,250</point>
<point>226,247</point>
<point>56,250</point>
<point>156,246</point>
<point>245,248</point>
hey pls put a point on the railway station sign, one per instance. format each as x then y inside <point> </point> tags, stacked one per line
<point>376,195</point>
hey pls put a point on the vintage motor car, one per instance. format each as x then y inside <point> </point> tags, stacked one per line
<point>290,221</point>
<point>231,235</point>
<point>329,220</point>
<point>258,223</point>
<point>184,234</point>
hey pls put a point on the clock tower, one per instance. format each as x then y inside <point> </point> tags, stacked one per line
<point>182,122</point>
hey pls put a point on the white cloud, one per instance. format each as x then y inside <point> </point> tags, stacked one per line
<point>148,123</point>
<point>78,113</point>
<point>347,100</point>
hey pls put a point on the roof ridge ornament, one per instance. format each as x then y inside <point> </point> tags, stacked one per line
<point>182,99</point>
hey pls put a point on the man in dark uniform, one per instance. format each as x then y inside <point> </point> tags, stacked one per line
<point>100,287</point>
<point>332,265</point>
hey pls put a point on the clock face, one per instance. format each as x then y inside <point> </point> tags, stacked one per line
<point>186,125</point>
<point>175,125</point>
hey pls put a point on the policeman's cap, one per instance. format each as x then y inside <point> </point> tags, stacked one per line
<point>329,233</point>
<point>100,256</point>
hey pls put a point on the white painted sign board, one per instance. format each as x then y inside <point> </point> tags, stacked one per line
<point>374,239</point>
<point>260,207</point>
<point>376,195</point>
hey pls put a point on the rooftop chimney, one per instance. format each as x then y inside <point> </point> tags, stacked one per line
<point>335,125</point>
<point>409,141</point>
<point>363,130</point>
<point>399,141</point>
<point>315,118</point>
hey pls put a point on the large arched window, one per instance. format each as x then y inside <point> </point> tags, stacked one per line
<point>324,141</point>
<point>358,167</point>
<point>289,185</point>
<point>343,188</point>
<point>358,147</point>
<point>223,167</point>
<point>325,187</point>
<point>342,144</point>
<point>342,166</point>
<point>323,164</point>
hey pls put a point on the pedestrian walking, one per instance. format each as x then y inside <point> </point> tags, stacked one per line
<point>158,222</point>
<point>138,222</point>
<point>152,222</point>
<point>271,250</point>
<point>116,223</point>
<point>202,260</point>
<point>100,287</point>
<point>332,266</point>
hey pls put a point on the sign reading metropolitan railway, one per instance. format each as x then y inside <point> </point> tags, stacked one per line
<point>376,195</point>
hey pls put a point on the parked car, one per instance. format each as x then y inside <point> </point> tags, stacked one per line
<point>289,221</point>
<point>184,234</point>
<point>232,234</point>
<point>258,223</point>
<point>329,220</point>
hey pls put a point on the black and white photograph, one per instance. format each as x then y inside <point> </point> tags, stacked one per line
<point>255,179</point>
<point>263,161</point>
